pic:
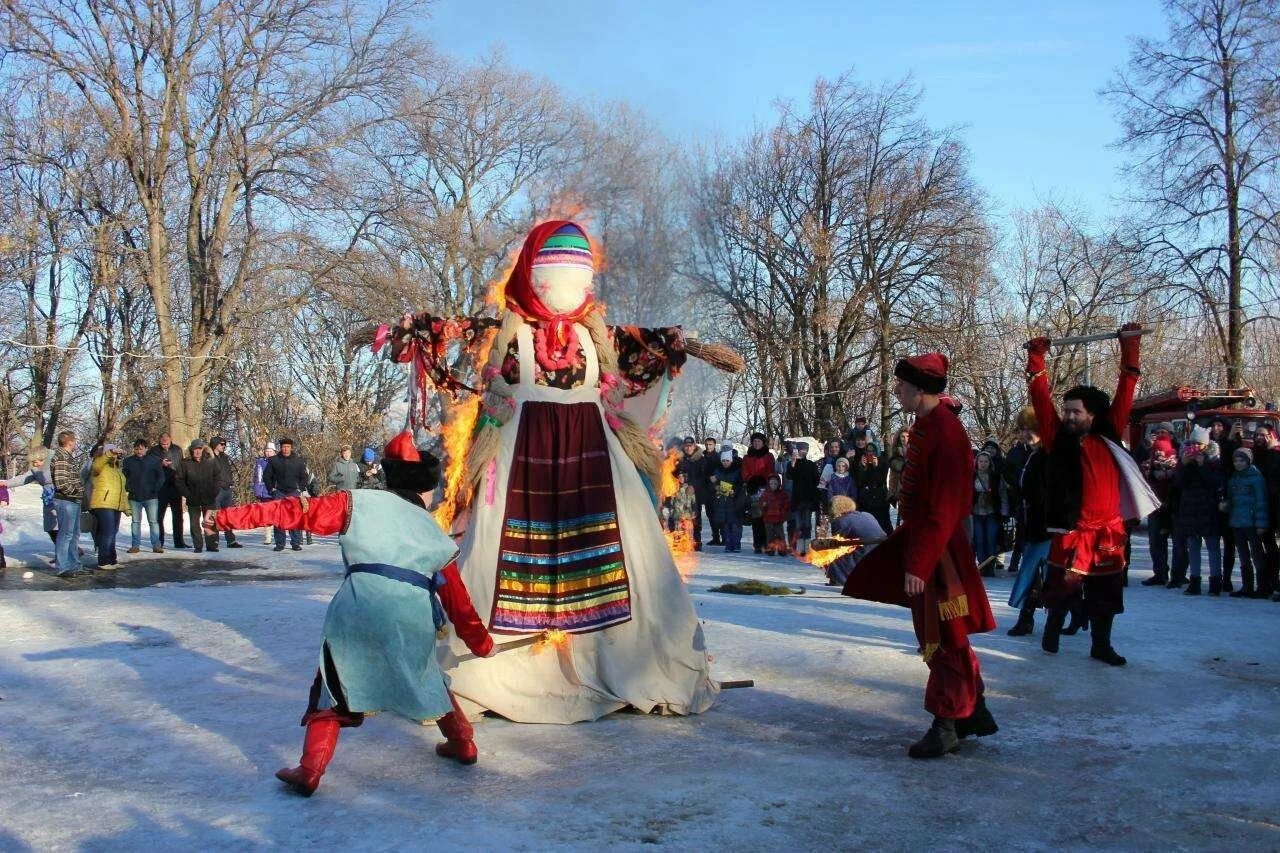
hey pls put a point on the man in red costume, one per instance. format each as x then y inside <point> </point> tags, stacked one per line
<point>927,563</point>
<point>1088,474</point>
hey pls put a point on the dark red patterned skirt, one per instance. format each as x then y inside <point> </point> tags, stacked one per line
<point>560,564</point>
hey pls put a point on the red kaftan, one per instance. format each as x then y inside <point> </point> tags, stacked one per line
<point>1096,545</point>
<point>931,544</point>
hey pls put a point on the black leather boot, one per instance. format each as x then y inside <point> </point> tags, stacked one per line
<point>1102,650</point>
<point>1026,623</point>
<point>1052,630</point>
<point>938,741</point>
<point>978,724</point>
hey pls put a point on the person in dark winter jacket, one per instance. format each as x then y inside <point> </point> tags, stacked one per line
<point>1160,468</point>
<point>1249,518</point>
<point>1266,458</point>
<point>1198,490</point>
<point>756,468</point>
<point>170,456</point>
<point>1032,520</point>
<point>730,500</point>
<point>286,476</point>
<point>1220,433</point>
<point>371,473</point>
<point>198,481</point>
<point>690,464</point>
<point>871,477</point>
<point>144,478</point>
<point>802,479</point>
<point>705,486</point>
<point>1010,476</point>
<point>226,483</point>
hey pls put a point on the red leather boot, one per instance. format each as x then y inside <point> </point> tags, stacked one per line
<point>457,729</point>
<point>317,751</point>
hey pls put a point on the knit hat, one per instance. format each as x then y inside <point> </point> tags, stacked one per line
<point>271,445</point>
<point>842,505</point>
<point>726,455</point>
<point>1164,445</point>
<point>1200,436</point>
<point>688,439</point>
<point>928,372</point>
<point>369,455</point>
<point>196,443</point>
<point>217,441</point>
<point>567,246</point>
<point>1245,452</point>
<point>1166,426</point>
<point>408,468</point>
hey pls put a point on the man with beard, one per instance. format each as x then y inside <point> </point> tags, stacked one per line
<point>1089,476</point>
<point>927,563</point>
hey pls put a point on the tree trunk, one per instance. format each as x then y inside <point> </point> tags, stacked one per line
<point>1235,319</point>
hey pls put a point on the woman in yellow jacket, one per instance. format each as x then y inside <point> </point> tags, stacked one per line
<point>107,501</point>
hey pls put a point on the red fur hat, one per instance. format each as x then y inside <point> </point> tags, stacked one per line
<point>928,372</point>
<point>402,449</point>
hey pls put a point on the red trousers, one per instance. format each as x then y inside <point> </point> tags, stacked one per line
<point>954,685</point>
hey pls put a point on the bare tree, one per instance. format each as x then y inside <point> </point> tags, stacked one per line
<point>222,115</point>
<point>1200,112</point>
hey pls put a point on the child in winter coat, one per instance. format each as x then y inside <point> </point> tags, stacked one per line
<point>775,509</point>
<point>1247,513</point>
<point>841,482</point>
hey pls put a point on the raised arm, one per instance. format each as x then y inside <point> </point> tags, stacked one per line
<point>324,515</point>
<point>1122,402</point>
<point>1038,389</point>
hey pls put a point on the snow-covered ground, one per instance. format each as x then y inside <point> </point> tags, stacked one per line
<point>154,718</point>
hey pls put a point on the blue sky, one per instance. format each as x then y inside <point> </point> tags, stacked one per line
<point>1021,78</point>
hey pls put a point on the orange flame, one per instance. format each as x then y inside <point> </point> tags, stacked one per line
<point>552,638</point>
<point>679,541</point>
<point>821,558</point>
<point>680,544</point>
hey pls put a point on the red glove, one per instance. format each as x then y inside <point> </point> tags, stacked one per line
<point>1129,347</point>
<point>1036,349</point>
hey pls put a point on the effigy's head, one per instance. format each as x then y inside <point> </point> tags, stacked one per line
<point>562,270</point>
<point>554,274</point>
